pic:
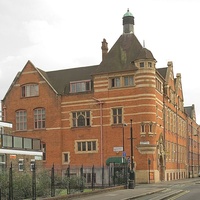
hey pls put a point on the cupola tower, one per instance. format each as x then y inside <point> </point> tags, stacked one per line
<point>128,22</point>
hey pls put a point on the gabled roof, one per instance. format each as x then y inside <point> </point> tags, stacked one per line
<point>190,111</point>
<point>121,55</point>
<point>162,71</point>
<point>60,79</point>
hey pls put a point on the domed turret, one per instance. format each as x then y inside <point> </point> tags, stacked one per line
<point>128,22</point>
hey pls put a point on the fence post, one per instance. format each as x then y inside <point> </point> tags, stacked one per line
<point>52,182</point>
<point>93,177</point>
<point>10,192</point>
<point>68,176</point>
<point>103,176</point>
<point>34,182</point>
<point>109,174</point>
<point>126,176</point>
<point>81,185</point>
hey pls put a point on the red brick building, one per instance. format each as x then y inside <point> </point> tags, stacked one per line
<point>86,115</point>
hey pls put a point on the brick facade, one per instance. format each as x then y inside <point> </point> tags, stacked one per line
<point>154,103</point>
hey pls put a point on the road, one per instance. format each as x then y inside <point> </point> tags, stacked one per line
<point>187,189</point>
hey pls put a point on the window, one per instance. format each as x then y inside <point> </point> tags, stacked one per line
<point>32,165</point>
<point>30,90</point>
<point>89,176</point>
<point>28,143</point>
<point>142,64</point>
<point>128,80</point>
<point>115,82</point>
<point>81,118</point>
<point>151,127</point>
<point>86,146</point>
<point>21,165</point>
<point>39,118</point>
<point>142,128</point>
<point>65,157</point>
<point>149,64</point>
<point>159,85</point>
<point>81,86</point>
<point>44,151</point>
<point>117,115</point>
<point>17,142</point>
<point>21,120</point>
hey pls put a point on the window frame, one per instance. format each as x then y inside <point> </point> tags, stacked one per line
<point>80,86</point>
<point>81,118</point>
<point>142,65</point>
<point>115,82</point>
<point>30,90</point>
<point>130,82</point>
<point>39,118</point>
<point>44,152</point>
<point>64,161</point>
<point>21,120</point>
<point>83,145</point>
<point>116,116</point>
<point>21,165</point>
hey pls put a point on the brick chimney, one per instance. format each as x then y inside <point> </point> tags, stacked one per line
<point>104,48</point>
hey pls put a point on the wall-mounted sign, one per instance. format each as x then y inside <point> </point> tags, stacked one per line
<point>117,149</point>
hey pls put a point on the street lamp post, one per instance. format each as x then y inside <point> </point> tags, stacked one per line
<point>132,173</point>
<point>123,125</point>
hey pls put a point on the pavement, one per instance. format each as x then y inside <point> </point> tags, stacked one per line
<point>117,193</point>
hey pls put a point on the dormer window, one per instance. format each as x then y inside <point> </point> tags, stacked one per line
<point>30,90</point>
<point>142,64</point>
<point>80,86</point>
<point>115,82</point>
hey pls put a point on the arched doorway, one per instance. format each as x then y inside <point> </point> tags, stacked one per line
<point>162,168</point>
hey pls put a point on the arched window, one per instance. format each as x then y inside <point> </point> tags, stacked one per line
<point>81,118</point>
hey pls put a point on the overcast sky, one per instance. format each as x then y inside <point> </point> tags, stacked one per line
<point>61,34</point>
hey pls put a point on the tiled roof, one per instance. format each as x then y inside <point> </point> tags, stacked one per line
<point>145,54</point>
<point>163,72</point>
<point>60,79</point>
<point>188,111</point>
<point>121,55</point>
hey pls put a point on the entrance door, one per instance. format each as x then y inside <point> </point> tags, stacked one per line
<point>162,169</point>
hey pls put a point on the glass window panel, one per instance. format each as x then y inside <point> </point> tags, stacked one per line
<point>120,119</point>
<point>126,83</point>
<point>117,82</point>
<point>83,146</point>
<point>119,111</point>
<point>89,146</point>
<point>27,143</point>
<point>66,157</point>
<point>94,145</point>
<point>81,120</point>
<point>142,64</point>
<point>36,144</point>
<point>17,142</point>
<point>7,141</point>
<point>79,146</point>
